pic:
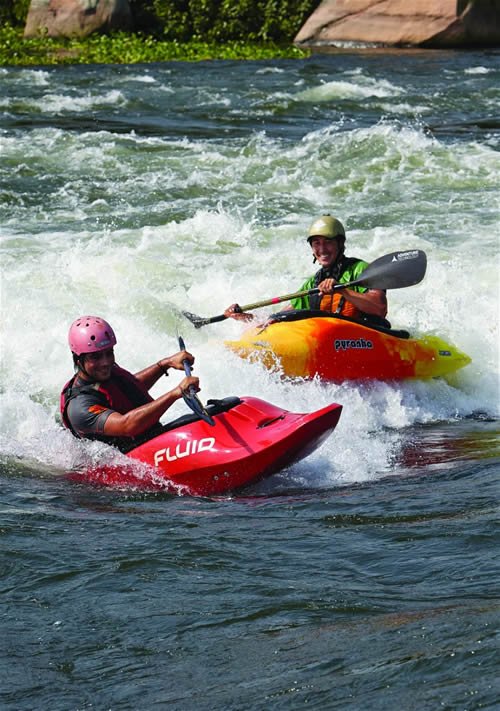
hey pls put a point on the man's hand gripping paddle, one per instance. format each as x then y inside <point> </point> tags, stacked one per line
<point>392,271</point>
<point>190,397</point>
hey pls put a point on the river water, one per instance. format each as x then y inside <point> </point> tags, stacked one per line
<point>363,577</point>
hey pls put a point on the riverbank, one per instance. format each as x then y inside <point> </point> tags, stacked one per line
<point>126,48</point>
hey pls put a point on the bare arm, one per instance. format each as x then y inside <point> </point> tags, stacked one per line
<point>373,301</point>
<point>142,418</point>
<point>148,376</point>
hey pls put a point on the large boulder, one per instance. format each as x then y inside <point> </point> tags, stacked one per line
<point>425,23</point>
<point>76,18</point>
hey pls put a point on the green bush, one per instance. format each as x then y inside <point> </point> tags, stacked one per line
<point>14,12</point>
<point>208,20</point>
<point>226,20</point>
<point>173,19</point>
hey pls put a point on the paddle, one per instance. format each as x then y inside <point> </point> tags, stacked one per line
<point>190,397</point>
<point>392,271</point>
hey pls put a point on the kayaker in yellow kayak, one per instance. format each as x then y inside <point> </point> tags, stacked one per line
<point>327,240</point>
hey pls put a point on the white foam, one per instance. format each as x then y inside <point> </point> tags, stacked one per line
<point>76,103</point>
<point>362,87</point>
<point>139,228</point>
<point>478,70</point>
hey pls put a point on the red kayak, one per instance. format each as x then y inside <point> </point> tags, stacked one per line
<point>250,440</point>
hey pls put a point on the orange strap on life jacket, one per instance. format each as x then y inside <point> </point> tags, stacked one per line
<point>338,304</point>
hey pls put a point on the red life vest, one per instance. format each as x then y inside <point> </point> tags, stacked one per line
<point>122,393</point>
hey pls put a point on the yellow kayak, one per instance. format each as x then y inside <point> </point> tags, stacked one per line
<point>336,348</point>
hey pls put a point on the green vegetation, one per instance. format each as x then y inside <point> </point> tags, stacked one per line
<point>14,11</point>
<point>182,30</point>
<point>222,20</point>
<point>125,48</point>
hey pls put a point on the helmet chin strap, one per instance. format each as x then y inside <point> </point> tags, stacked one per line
<point>81,365</point>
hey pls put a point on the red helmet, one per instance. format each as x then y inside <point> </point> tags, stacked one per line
<point>90,334</point>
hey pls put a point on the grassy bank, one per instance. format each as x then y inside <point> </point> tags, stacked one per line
<point>126,48</point>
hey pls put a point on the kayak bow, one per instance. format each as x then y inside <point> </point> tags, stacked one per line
<point>251,439</point>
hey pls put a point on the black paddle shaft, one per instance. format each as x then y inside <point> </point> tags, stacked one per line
<point>191,398</point>
<point>185,362</point>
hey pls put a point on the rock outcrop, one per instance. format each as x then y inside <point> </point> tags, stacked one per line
<point>76,18</point>
<point>400,23</point>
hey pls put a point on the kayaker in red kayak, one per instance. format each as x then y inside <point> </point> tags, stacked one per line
<point>327,240</point>
<point>105,402</point>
